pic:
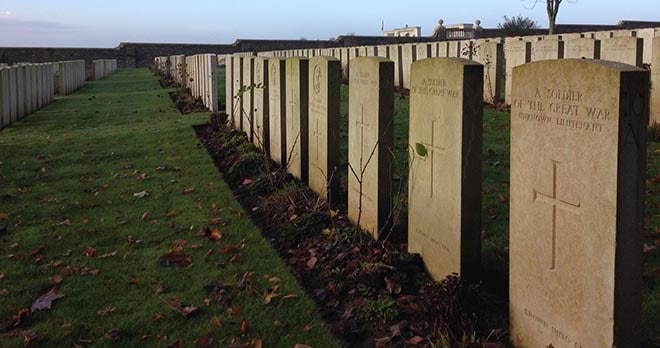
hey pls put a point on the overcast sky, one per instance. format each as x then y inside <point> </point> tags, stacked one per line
<point>93,23</point>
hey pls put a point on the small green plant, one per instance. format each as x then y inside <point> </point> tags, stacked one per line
<point>380,311</point>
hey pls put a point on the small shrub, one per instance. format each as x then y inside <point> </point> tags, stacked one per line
<point>304,226</point>
<point>246,166</point>
<point>380,311</point>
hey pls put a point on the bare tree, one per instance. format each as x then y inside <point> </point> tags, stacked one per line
<point>552,7</point>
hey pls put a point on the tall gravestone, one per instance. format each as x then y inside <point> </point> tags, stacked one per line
<point>237,115</point>
<point>277,109</point>
<point>444,195</point>
<point>248,96</point>
<point>324,101</point>
<point>443,49</point>
<point>5,118</point>
<point>516,52</point>
<point>582,48</point>
<point>547,49</point>
<point>423,51</point>
<point>628,50</point>
<point>229,86</point>
<point>370,140</point>
<point>20,90</point>
<point>261,103</point>
<point>578,154</point>
<point>655,83</point>
<point>13,89</point>
<point>395,56</point>
<point>297,117</point>
<point>454,49</point>
<point>491,55</point>
<point>408,56</point>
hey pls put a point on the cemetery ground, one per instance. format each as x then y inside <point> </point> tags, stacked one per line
<point>108,197</point>
<point>117,230</point>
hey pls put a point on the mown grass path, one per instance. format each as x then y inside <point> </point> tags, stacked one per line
<point>75,216</point>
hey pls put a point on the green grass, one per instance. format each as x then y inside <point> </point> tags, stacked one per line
<point>68,174</point>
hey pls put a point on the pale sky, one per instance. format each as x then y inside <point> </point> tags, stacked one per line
<point>93,23</point>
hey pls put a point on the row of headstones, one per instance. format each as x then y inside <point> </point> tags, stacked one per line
<point>24,89</point>
<point>70,76</point>
<point>202,80</point>
<point>577,174</point>
<point>103,68</point>
<point>196,72</point>
<point>500,56</point>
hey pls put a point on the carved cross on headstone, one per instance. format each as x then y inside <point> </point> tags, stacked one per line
<point>555,202</point>
<point>361,124</point>
<point>432,148</point>
<point>317,135</point>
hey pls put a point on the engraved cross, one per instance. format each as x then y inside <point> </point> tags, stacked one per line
<point>317,135</point>
<point>555,202</point>
<point>361,124</point>
<point>433,148</point>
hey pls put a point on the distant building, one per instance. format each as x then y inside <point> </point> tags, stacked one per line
<point>407,31</point>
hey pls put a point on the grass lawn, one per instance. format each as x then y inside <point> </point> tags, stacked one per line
<point>74,215</point>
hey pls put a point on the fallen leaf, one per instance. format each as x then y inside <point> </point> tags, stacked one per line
<point>269,294</point>
<point>89,251</point>
<point>257,343</point>
<point>46,300</point>
<point>4,216</point>
<point>56,279</point>
<point>4,292</point>
<point>106,255</point>
<point>141,194</point>
<point>307,327</point>
<point>16,318</point>
<point>416,340</point>
<point>156,316</point>
<point>176,257</point>
<point>247,181</point>
<point>105,311</point>
<point>203,341</point>
<point>501,197</point>
<point>298,345</point>
<point>188,190</point>
<point>278,323</point>
<point>177,344</point>
<point>36,250</point>
<point>244,327</point>
<point>144,215</point>
<point>312,262</point>
<point>216,321</point>
<point>28,338</point>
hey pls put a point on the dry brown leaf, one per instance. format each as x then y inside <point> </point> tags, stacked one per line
<point>36,250</point>
<point>203,341</point>
<point>269,294</point>
<point>311,262</point>
<point>4,216</point>
<point>105,311</point>
<point>244,327</point>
